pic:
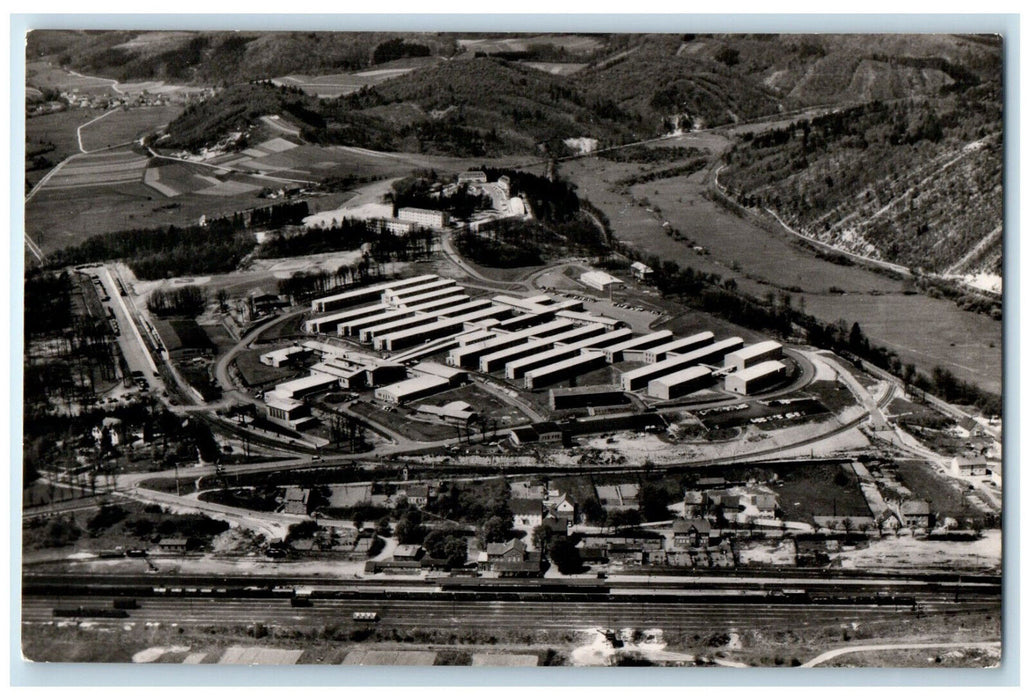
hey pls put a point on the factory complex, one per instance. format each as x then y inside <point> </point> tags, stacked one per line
<point>409,339</point>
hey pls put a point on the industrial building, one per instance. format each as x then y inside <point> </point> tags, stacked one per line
<point>438,304</point>
<point>429,218</point>
<point>586,397</point>
<point>470,355</point>
<point>678,346</point>
<point>755,378</point>
<point>361,295</point>
<point>516,369</point>
<point>398,296</point>
<point>583,317</point>
<point>617,353</point>
<point>357,325</point>
<point>474,305</point>
<point>454,412</point>
<point>587,361</point>
<point>411,389</point>
<point>431,331</point>
<point>305,386</point>
<point>286,411</point>
<point>500,358</point>
<point>454,375</point>
<point>330,323</point>
<point>678,384</point>
<point>474,337</point>
<point>285,357</point>
<point>601,281</point>
<point>609,338</point>
<point>422,297</point>
<point>398,324</point>
<point>638,378</point>
<point>754,354</point>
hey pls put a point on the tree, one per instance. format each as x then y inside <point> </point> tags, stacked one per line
<point>383,526</point>
<point>409,528</point>
<point>494,529</point>
<point>541,536</point>
<point>563,553</point>
<point>593,511</point>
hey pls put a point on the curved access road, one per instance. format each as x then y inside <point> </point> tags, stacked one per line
<point>827,656</point>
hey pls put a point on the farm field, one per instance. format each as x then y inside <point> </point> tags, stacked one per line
<point>97,170</point>
<point>126,125</point>
<point>59,129</point>
<point>965,343</point>
<point>336,84</point>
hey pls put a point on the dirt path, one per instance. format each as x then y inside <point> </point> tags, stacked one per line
<point>827,656</point>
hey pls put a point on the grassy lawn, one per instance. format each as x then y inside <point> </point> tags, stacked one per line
<point>944,495</point>
<point>254,373</point>
<point>286,328</point>
<point>820,489</point>
<point>59,129</point>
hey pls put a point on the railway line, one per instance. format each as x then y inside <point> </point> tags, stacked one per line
<point>551,615</point>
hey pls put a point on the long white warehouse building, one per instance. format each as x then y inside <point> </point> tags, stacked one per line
<point>678,346</point>
<point>360,295</point>
<point>616,352</point>
<point>329,323</point>
<point>713,354</point>
<point>677,384</point>
<point>754,354</point>
<point>756,377</point>
<point>587,361</point>
<point>469,355</point>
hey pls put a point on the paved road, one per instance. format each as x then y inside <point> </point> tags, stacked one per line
<point>827,656</point>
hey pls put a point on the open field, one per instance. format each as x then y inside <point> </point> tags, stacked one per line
<point>59,218</point>
<point>571,43</point>
<point>57,129</point>
<point>42,74</point>
<point>127,125</point>
<point>97,170</point>
<point>336,84</point>
<point>557,68</point>
<point>928,332</point>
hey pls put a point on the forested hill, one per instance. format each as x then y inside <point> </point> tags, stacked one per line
<point>225,58</point>
<point>916,182</point>
<point>721,79</point>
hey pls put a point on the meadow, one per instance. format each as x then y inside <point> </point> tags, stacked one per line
<point>126,125</point>
<point>925,331</point>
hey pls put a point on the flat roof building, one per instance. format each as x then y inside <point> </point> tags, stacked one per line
<point>470,355</point>
<point>601,281</point>
<point>443,327</point>
<point>284,356</point>
<point>585,362</point>
<point>373,292</point>
<point>583,317</point>
<point>439,305</point>
<point>331,322</point>
<point>367,335</point>
<point>430,218</point>
<point>454,375</point>
<point>357,325</point>
<point>755,378</point>
<point>586,397</point>
<point>398,296</point>
<point>616,353</point>
<point>754,354</point>
<point>610,338</point>
<point>678,346</point>
<point>500,358</point>
<point>305,386</point>
<point>686,381</point>
<point>638,378</point>
<point>411,389</point>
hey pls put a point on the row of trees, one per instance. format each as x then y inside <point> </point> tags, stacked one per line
<point>180,301</point>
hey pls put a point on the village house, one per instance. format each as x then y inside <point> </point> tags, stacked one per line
<point>527,513</point>
<point>295,501</point>
<point>917,514</point>
<point>688,534</point>
<point>510,558</point>
<point>408,552</point>
<point>969,465</point>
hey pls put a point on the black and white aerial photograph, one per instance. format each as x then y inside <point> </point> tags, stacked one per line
<point>426,348</point>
